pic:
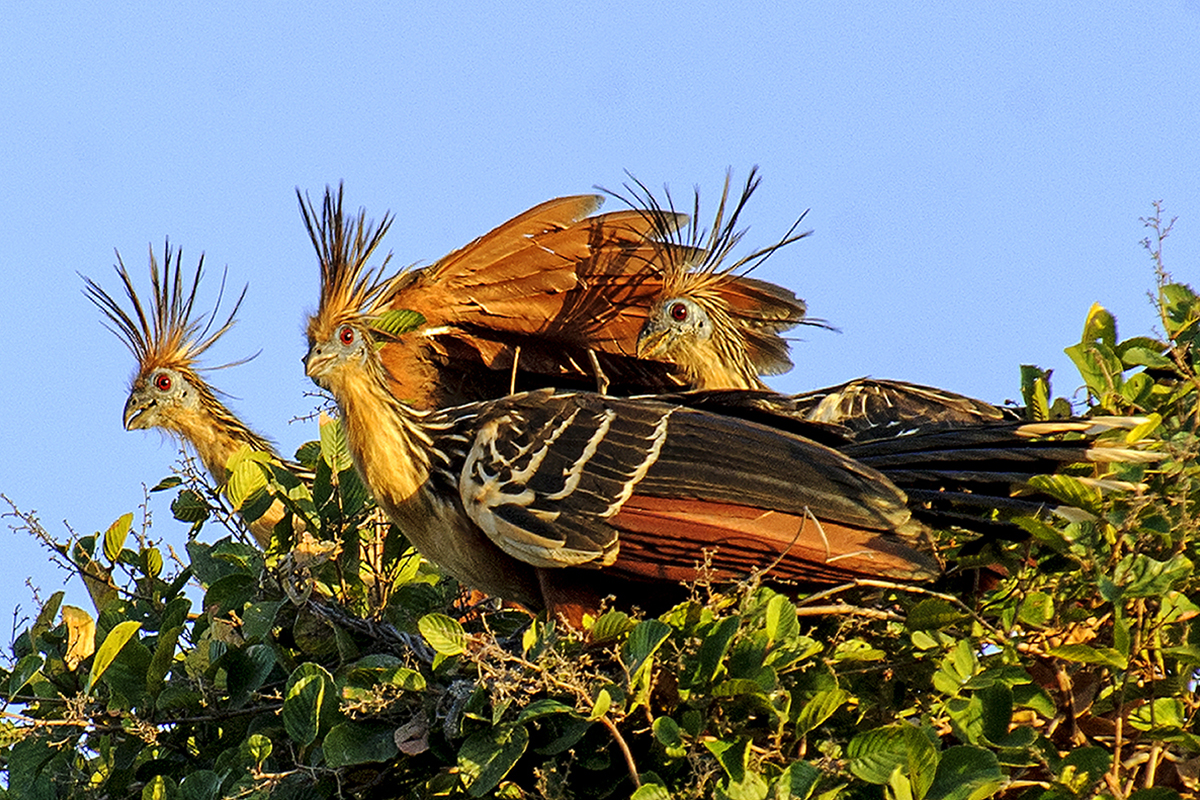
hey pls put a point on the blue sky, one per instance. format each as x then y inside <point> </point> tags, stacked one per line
<point>975,177</point>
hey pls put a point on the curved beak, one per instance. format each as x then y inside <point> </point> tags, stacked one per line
<point>652,342</point>
<point>135,412</point>
<point>316,362</point>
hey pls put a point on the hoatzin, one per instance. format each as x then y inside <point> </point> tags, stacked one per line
<point>556,499</point>
<point>724,329</point>
<point>720,327</point>
<point>551,297</point>
<point>168,391</point>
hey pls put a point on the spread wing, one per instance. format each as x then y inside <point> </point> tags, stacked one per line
<point>649,489</point>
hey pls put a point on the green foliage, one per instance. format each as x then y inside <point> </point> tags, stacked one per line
<point>339,664</point>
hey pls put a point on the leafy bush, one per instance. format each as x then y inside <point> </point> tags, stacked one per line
<point>340,664</point>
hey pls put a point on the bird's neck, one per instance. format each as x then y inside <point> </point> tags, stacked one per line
<point>395,456</point>
<point>216,434</point>
<point>708,368</point>
<point>384,436</point>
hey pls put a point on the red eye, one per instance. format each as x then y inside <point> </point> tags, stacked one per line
<point>162,382</point>
<point>346,335</point>
<point>679,312</point>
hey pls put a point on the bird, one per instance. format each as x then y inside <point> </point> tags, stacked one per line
<point>555,296</point>
<point>720,327</point>
<point>555,498</point>
<point>723,329</point>
<point>167,337</point>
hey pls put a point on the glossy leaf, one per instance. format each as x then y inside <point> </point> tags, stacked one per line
<point>109,648</point>
<point>445,635</point>
<point>487,756</point>
<point>114,537</point>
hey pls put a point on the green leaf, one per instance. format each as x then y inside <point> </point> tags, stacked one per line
<point>732,756</point>
<point>230,593</point>
<point>258,619</point>
<point>1069,490</point>
<point>644,640</point>
<point>1141,356</point>
<point>1086,654</point>
<point>445,635</point>
<point>360,743</point>
<point>1043,533</point>
<point>164,656</point>
<point>934,613</point>
<point>651,791</point>
<point>1035,391</point>
<point>1142,576</point>
<point>797,781</point>
<point>107,651</point>
<point>782,624</point>
<point>1037,609</point>
<point>247,670</point>
<point>612,625</point>
<point>397,322</point>
<point>996,712</point>
<point>200,785</point>
<point>334,450</point>
<point>958,667</point>
<point>310,703</point>
<point>114,537</point>
<point>159,788</point>
<point>669,735</point>
<point>152,562</point>
<point>247,480</point>
<point>601,705</point>
<point>820,707</point>
<point>543,707</point>
<point>169,482</point>
<point>876,754</point>
<point>712,651</point>
<point>1155,793</point>
<point>189,506</point>
<point>1083,768</point>
<point>487,756</point>
<point>1162,712</point>
<point>966,773</point>
<point>257,749</point>
<point>23,672</point>
<point>1100,326</point>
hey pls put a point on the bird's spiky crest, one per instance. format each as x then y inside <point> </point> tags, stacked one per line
<point>167,334</point>
<point>351,291</point>
<point>696,259</point>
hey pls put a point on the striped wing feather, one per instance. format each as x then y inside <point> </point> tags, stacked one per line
<point>561,480</point>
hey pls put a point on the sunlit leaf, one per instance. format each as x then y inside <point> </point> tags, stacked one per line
<point>114,537</point>
<point>310,703</point>
<point>81,635</point>
<point>397,322</point>
<point>108,649</point>
<point>876,754</point>
<point>820,707</point>
<point>445,635</point>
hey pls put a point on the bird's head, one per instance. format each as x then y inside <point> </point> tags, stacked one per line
<point>345,330</point>
<point>160,397</point>
<point>672,325</point>
<point>722,327</point>
<point>167,340</point>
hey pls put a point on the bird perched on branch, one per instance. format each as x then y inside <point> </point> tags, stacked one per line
<point>505,493</point>
<point>722,328</point>
<point>557,498</point>
<point>167,337</point>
